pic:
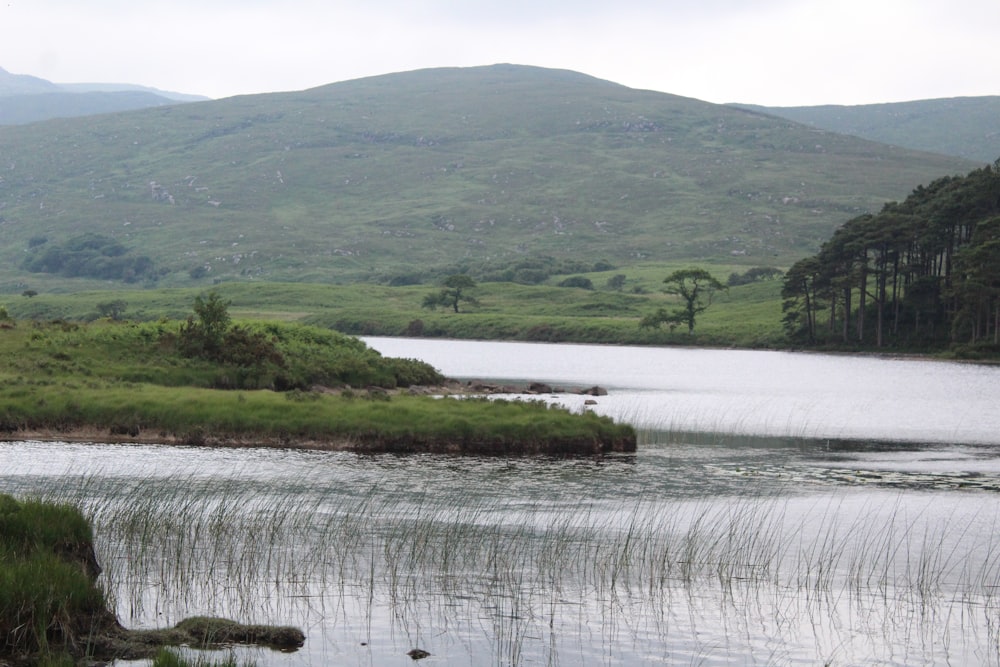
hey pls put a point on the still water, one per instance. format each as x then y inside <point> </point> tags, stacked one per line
<point>746,392</point>
<point>782,509</point>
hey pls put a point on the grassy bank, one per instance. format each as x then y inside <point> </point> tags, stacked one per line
<point>131,382</point>
<point>52,611</point>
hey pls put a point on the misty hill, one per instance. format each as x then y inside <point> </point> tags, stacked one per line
<point>20,109</point>
<point>27,99</point>
<point>23,84</point>
<point>404,174</point>
<point>130,88</point>
<point>966,127</point>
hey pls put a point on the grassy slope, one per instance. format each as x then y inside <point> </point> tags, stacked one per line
<point>966,127</point>
<point>367,179</point>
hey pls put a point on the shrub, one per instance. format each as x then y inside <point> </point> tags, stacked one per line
<point>577,281</point>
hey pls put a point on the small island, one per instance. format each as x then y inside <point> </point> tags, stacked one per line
<point>208,381</point>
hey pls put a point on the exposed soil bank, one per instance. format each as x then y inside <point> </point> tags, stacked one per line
<point>372,444</point>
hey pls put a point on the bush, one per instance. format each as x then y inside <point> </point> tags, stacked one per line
<point>577,281</point>
<point>411,373</point>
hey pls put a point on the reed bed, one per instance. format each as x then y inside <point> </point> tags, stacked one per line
<point>510,572</point>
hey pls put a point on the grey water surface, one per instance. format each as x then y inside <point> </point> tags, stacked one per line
<point>782,509</point>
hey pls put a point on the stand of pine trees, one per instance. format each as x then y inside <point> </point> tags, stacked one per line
<point>920,274</point>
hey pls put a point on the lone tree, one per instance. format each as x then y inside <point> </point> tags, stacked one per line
<point>204,336</point>
<point>453,293</point>
<point>695,287</point>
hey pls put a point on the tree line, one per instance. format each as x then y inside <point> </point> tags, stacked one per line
<point>922,273</point>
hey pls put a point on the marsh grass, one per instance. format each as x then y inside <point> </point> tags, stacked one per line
<point>513,570</point>
<point>167,657</point>
<point>49,603</point>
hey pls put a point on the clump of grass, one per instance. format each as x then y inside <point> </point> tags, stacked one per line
<point>52,611</point>
<point>49,601</point>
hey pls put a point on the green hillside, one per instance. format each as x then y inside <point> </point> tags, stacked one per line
<point>966,127</point>
<point>404,175</point>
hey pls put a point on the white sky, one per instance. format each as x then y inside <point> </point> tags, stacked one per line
<point>771,52</point>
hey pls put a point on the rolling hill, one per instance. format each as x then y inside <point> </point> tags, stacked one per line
<point>966,127</point>
<point>422,172</point>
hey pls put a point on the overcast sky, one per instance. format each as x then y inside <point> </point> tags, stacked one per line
<point>771,52</point>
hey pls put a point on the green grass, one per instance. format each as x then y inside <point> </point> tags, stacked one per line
<point>746,316</point>
<point>173,658</point>
<point>48,598</point>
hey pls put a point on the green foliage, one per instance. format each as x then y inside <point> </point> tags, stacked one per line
<point>454,292</point>
<point>203,337</point>
<point>662,316</point>
<point>920,274</point>
<point>89,256</point>
<point>616,282</point>
<point>696,288</point>
<point>753,275</point>
<point>534,270</point>
<point>254,355</point>
<point>580,282</point>
<point>413,372</point>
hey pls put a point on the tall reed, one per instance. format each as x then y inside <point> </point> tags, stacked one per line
<point>508,572</point>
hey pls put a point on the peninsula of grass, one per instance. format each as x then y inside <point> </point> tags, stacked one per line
<point>52,612</point>
<point>260,384</point>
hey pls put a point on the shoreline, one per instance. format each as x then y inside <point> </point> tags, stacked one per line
<point>366,441</point>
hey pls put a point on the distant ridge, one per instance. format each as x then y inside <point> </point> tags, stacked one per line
<point>130,88</point>
<point>966,127</point>
<point>19,109</point>
<point>22,84</point>
<point>28,99</point>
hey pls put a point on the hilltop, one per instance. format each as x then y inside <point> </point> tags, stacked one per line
<point>404,176</point>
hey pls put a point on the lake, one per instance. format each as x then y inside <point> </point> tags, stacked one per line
<point>782,509</point>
